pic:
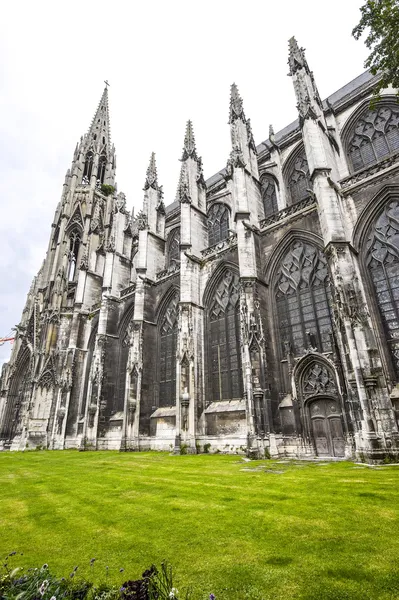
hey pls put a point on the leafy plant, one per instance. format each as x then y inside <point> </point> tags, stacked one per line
<point>107,189</point>
<point>381,19</point>
<point>183,448</point>
<point>207,448</point>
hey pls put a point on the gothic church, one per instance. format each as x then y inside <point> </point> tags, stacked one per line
<point>257,313</point>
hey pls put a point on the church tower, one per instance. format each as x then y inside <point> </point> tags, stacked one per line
<point>51,349</point>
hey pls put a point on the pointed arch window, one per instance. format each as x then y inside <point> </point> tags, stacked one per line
<point>375,135</point>
<point>269,195</point>
<point>102,165</point>
<point>303,300</point>
<point>224,351</point>
<point>167,353</point>
<point>218,223</point>
<point>88,166</point>
<point>74,245</point>
<point>382,257</point>
<point>174,248</point>
<point>298,178</point>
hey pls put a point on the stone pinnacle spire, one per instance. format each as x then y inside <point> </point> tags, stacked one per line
<point>296,56</point>
<point>308,99</point>
<point>100,130</point>
<point>151,179</point>
<point>189,149</point>
<point>236,105</point>
<point>183,188</point>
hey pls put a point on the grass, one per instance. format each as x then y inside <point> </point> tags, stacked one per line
<point>258,530</point>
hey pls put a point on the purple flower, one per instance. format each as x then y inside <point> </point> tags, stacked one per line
<point>212,597</point>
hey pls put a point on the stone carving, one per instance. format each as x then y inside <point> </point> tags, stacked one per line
<point>151,180</point>
<point>183,190</point>
<point>317,379</point>
<point>120,203</point>
<point>303,266</point>
<point>189,150</point>
<point>226,295</point>
<point>200,173</point>
<point>140,221</point>
<point>371,170</point>
<point>46,380</point>
<point>251,141</point>
<point>97,219</point>
<point>236,105</point>
<point>127,291</point>
<point>84,263</point>
<point>127,338</point>
<point>110,247</point>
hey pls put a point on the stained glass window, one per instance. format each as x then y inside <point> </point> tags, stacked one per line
<point>298,178</point>
<point>224,340</point>
<point>375,136</point>
<point>174,248</point>
<point>383,263</point>
<point>303,300</point>
<point>167,354</point>
<point>269,195</point>
<point>218,223</point>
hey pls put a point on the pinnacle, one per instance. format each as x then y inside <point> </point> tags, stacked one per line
<point>296,57</point>
<point>151,177</point>
<point>236,105</point>
<point>183,188</point>
<point>189,149</point>
<point>100,130</point>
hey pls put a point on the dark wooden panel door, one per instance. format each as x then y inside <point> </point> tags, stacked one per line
<point>327,429</point>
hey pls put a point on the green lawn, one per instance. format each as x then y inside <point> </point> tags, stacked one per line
<point>241,530</point>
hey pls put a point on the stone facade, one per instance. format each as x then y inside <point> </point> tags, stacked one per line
<point>259,312</point>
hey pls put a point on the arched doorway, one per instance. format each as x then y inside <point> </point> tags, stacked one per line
<point>326,426</point>
<point>320,404</point>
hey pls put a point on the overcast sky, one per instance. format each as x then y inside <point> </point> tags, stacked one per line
<point>166,61</point>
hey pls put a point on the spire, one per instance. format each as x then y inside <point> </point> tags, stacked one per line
<point>296,57</point>
<point>183,189</point>
<point>151,179</point>
<point>308,99</point>
<point>236,105</point>
<point>189,149</point>
<point>100,130</point>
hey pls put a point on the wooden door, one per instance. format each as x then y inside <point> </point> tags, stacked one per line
<point>328,435</point>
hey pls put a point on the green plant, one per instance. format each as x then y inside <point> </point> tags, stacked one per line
<point>362,457</point>
<point>207,447</point>
<point>267,453</point>
<point>107,189</point>
<point>380,19</point>
<point>183,448</point>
